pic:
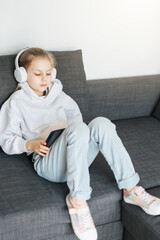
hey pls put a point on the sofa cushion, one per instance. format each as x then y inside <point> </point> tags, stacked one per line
<point>141,225</point>
<point>34,208</point>
<point>156,112</point>
<point>106,231</point>
<point>122,98</point>
<point>70,71</point>
<point>141,137</point>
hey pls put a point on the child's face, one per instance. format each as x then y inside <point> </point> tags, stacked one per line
<point>39,74</point>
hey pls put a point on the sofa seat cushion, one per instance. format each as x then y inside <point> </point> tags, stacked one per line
<point>33,208</point>
<point>139,224</point>
<point>141,138</point>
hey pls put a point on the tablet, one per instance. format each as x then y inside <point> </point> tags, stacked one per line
<point>53,136</point>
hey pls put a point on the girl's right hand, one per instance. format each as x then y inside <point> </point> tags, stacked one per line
<point>37,146</point>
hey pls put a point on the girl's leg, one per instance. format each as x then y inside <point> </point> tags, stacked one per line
<point>103,136</point>
<point>67,161</point>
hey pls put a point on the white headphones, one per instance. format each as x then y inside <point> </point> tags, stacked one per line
<point>20,73</point>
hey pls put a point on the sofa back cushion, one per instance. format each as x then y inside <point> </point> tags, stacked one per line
<point>122,98</point>
<point>70,71</point>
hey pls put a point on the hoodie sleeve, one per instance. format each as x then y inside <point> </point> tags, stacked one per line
<point>11,139</point>
<point>72,111</point>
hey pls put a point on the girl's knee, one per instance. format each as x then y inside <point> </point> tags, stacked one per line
<point>79,128</point>
<point>102,122</point>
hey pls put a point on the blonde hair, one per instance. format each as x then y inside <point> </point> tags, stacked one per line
<point>27,56</point>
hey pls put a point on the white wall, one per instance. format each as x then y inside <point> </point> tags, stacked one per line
<point>118,37</point>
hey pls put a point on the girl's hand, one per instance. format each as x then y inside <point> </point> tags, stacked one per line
<point>37,146</point>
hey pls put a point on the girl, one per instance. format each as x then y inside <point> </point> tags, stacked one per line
<point>31,112</point>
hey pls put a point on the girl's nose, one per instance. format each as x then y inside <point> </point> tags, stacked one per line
<point>44,77</point>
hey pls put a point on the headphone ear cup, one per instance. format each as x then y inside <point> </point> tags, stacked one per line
<point>54,73</point>
<point>20,74</point>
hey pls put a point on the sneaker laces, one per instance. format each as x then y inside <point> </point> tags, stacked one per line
<point>144,196</point>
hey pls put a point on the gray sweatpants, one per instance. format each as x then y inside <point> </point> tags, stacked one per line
<point>73,152</point>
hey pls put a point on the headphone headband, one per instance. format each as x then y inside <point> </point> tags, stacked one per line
<point>18,55</point>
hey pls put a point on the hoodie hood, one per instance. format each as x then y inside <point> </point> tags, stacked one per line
<point>52,91</point>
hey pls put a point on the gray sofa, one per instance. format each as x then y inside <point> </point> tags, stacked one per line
<point>32,208</point>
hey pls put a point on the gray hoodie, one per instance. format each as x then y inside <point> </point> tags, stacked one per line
<point>27,116</point>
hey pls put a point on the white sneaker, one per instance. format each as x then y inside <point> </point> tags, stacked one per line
<point>138,196</point>
<point>82,222</point>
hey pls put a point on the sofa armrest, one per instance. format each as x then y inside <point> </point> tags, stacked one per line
<point>122,98</point>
